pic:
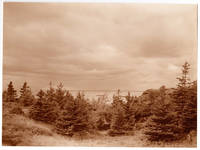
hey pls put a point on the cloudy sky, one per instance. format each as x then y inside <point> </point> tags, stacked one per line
<point>98,46</point>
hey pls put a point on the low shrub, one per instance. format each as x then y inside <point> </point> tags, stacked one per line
<point>17,110</point>
<point>39,131</point>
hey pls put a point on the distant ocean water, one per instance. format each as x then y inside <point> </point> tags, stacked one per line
<point>93,94</point>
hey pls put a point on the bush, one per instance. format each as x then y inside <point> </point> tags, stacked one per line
<point>17,110</point>
<point>40,131</point>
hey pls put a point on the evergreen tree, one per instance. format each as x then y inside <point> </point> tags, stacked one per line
<point>68,97</point>
<point>74,117</point>
<point>190,110</point>
<point>4,95</point>
<point>184,80</point>
<point>129,113</point>
<point>36,111</point>
<point>118,116</point>
<point>101,113</point>
<point>65,120</point>
<point>11,93</point>
<point>60,95</point>
<point>51,97</point>
<point>182,98</point>
<point>82,123</point>
<point>26,98</point>
<point>43,110</point>
<point>161,126</point>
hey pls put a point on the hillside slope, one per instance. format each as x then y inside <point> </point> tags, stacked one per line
<point>17,129</point>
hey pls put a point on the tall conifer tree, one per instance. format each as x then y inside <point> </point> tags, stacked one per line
<point>26,98</point>
<point>162,124</point>
<point>11,93</point>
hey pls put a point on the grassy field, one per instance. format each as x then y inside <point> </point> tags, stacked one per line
<point>103,141</point>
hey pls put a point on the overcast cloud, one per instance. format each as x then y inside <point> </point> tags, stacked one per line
<point>98,46</point>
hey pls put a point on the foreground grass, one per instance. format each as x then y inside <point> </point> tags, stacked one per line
<point>137,140</point>
<point>56,140</point>
<point>21,131</point>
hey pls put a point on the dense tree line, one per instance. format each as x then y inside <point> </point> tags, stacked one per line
<point>163,115</point>
<point>177,118</point>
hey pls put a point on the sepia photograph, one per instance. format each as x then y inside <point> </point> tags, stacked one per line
<point>99,74</point>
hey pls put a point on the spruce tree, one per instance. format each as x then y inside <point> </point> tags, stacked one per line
<point>182,98</point>
<point>11,93</point>
<point>82,123</point>
<point>36,111</point>
<point>184,80</point>
<point>162,124</point>
<point>180,94</point>
<point>189,122</point>
<point>46,108</point>
<point>51,95</point>
<point>43,110</point>
<point>74,117</point>
<point>65,120</point>
<point>52,104</point>
<point>60,95</point>
<point>118,116</point>
<point>26,98</point>
<point>129,113</point>
<point>4,95</point>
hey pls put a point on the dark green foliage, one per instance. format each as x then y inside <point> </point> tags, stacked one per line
<point>174,120</point>
<point>58,107</point>
<point>184,80</point>
<point>118,114</point>
<point>185,103</point>
<point>100,113</point>
<point>4,95</point>
<point>129,113</point>
<point>190,110</point>
<point>43,110</point>
<point>81,111</point>
<point>60,95</point>
<point>146,105</point>
<point>36,111</point>
<point>50,96</point>
<point>142,111</point>
<point>65,120</point>
<point>26,98</point>
<point>74,117</point>
<point>180,95</point>
<point>11,94</point>
<point>17,110</point>
<point>179,103</point>
<point>125,114</point>
<point>161,126</point>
